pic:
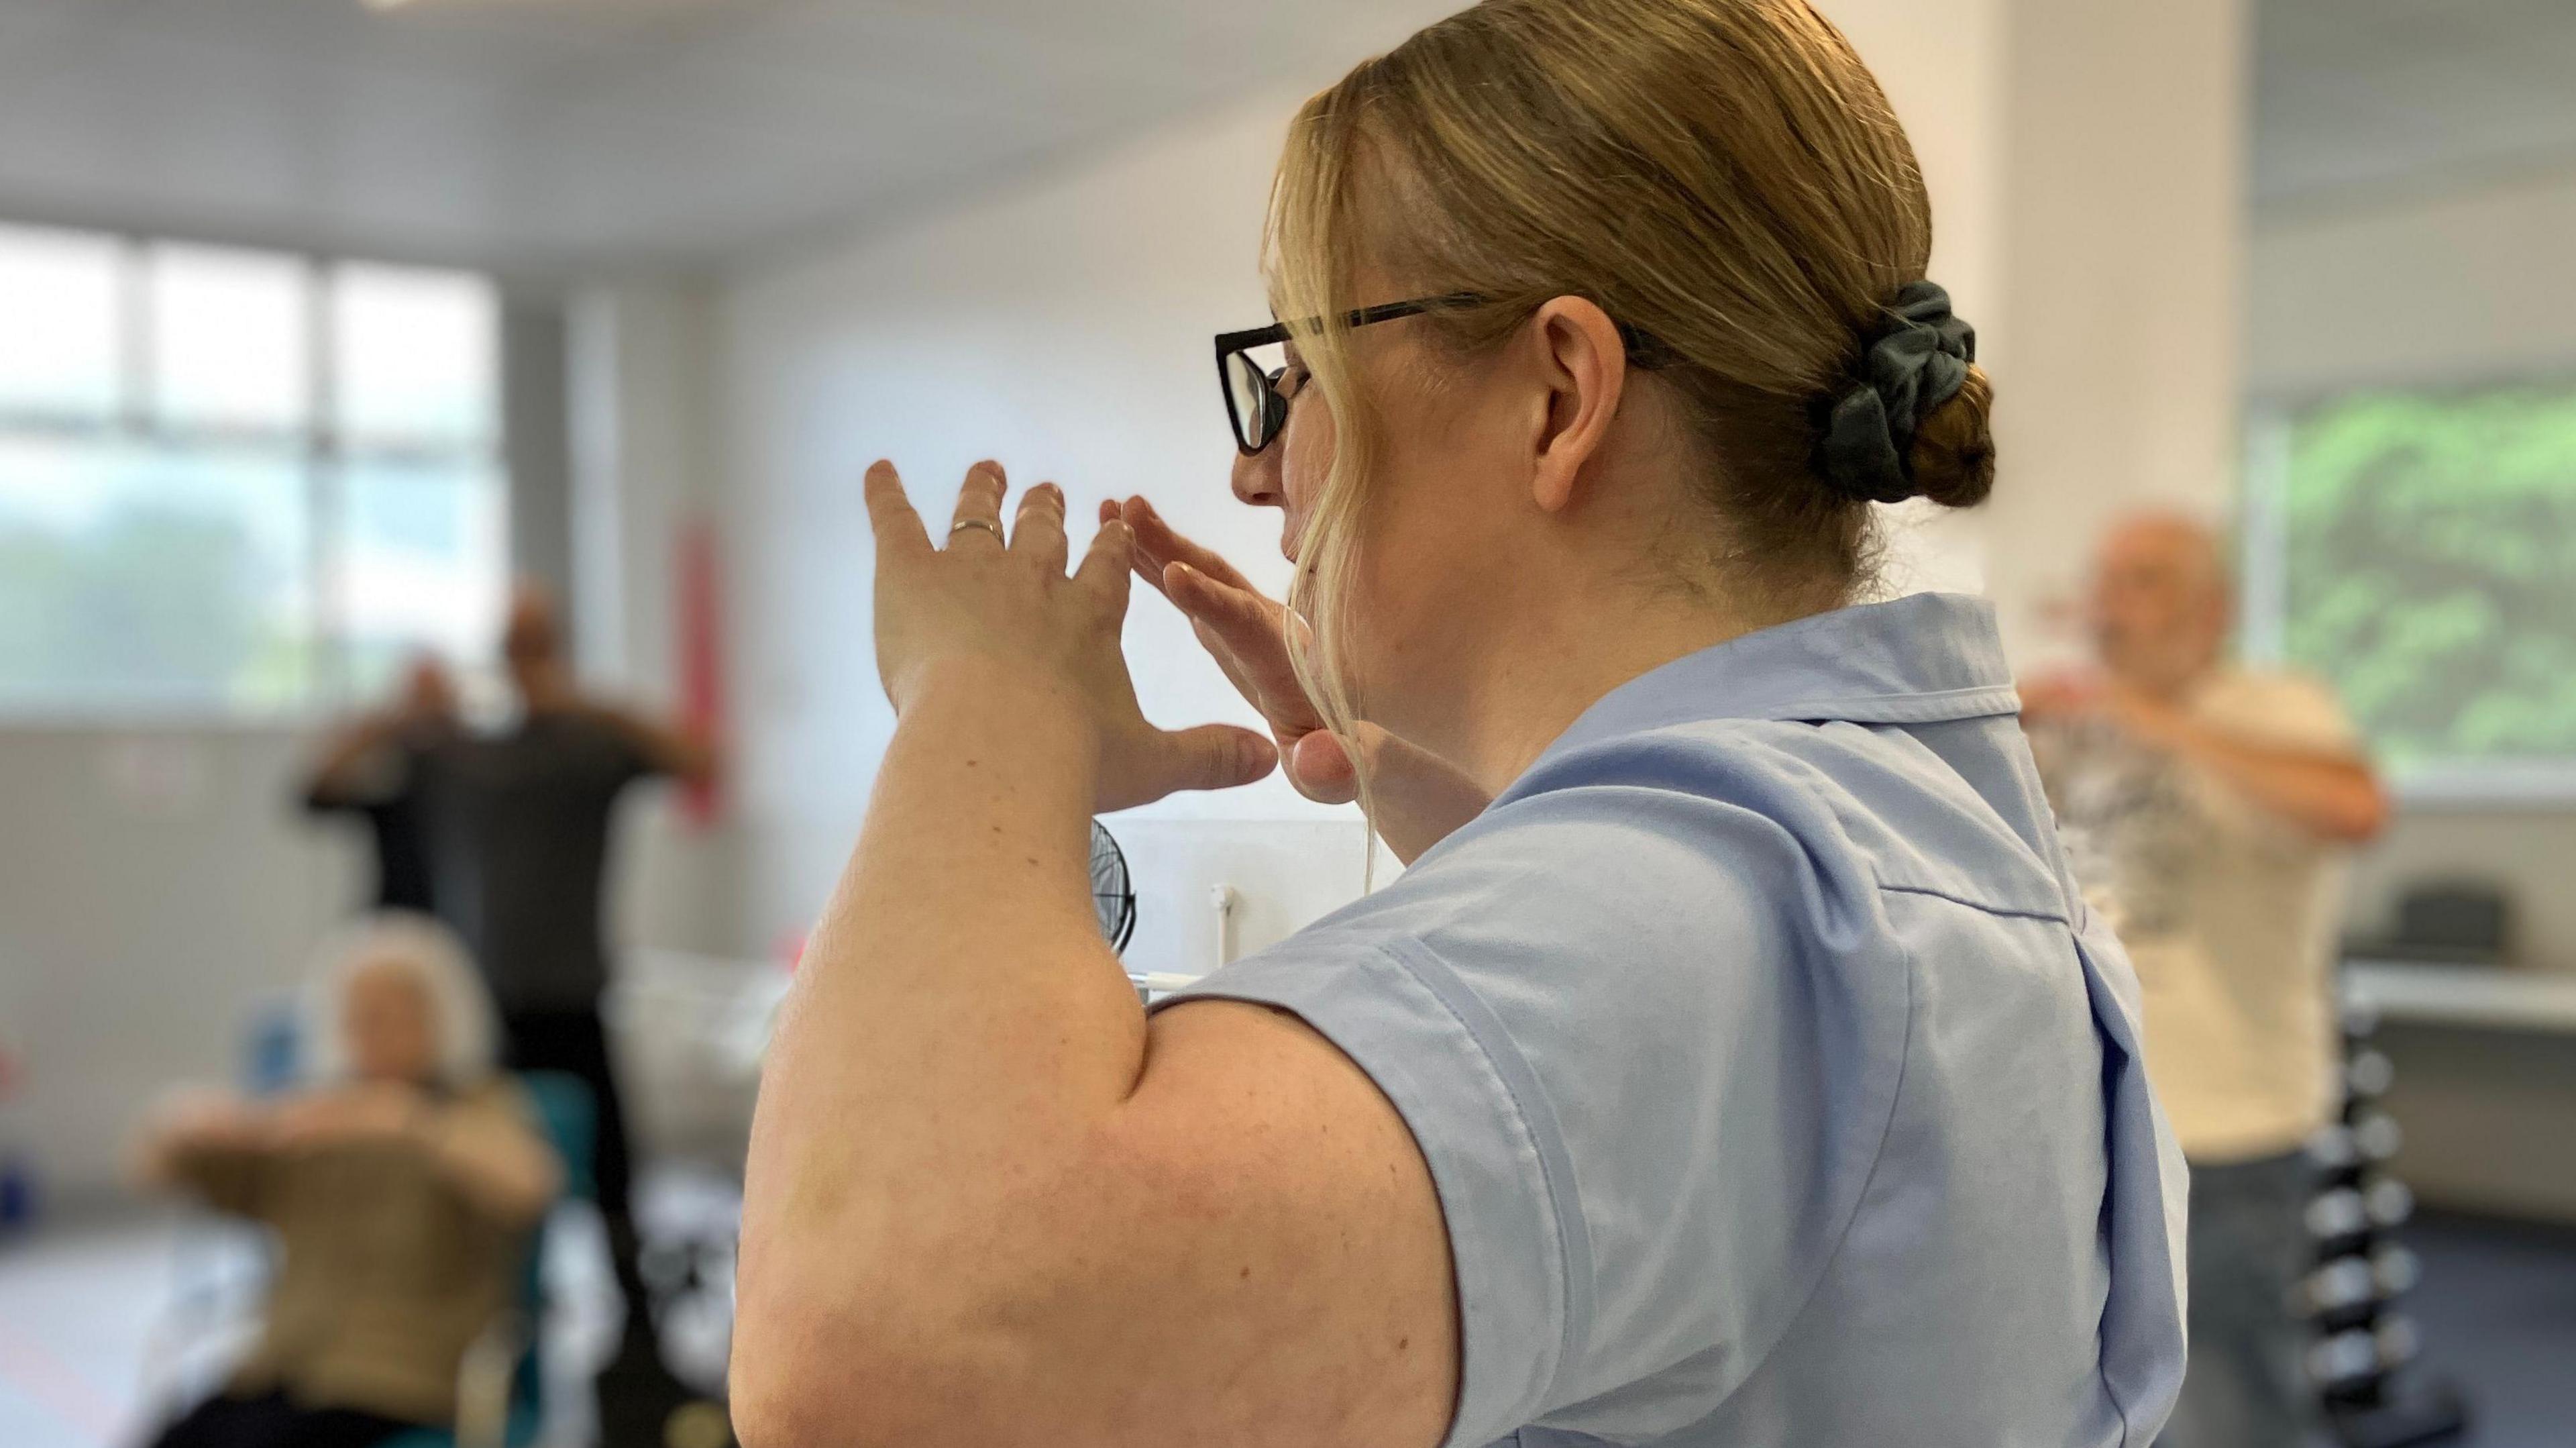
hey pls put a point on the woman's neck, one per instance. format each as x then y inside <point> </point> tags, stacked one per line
<point>1557,661</point>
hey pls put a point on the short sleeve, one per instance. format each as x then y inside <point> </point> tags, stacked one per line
<point>378,782</point>
<point>623,755</point>
<point>1466,1096</point>
<point>1585,1010</point>
<point>2283,710</point>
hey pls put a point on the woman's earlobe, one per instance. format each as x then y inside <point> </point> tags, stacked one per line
<point>1552,479</point>
<point>1587,370</point>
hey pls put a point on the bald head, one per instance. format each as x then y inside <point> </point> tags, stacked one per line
<point>428,690</point>
<point>531,639</point>
<point>2160,601</point>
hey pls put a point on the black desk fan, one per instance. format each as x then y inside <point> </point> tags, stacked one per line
<point>1113,895</point>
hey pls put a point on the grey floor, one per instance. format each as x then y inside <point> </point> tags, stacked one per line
<point>80,1366</point>
<point>2498,1312</point>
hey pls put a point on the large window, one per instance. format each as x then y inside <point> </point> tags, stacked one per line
<point>238,480</point>
<point>2419,550</point>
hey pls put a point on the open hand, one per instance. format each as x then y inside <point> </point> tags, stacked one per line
<point>989,602</point>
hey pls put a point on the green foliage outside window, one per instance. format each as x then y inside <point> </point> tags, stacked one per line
<point>2431,569</point>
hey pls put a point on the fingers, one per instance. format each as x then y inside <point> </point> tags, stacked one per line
<point>1037,530</point>
<point>1244,627</point>
<point>1158,543</point>
<point>898,528</point>
<point>979,507</point>
<point>1104,569</point>
<point>1242,616</point>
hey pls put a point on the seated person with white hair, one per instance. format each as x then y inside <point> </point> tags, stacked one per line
<point>402,1186</point>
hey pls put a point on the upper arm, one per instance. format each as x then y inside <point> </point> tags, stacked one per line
<point>656,748</point>
<point>1302,1259</point>
<point>1248,1251</point>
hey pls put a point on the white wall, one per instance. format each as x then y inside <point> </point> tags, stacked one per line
<point>2460,287</point>
<point>2123,238</point>
<point>155,883</point>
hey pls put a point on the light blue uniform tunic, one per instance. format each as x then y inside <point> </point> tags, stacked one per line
<point>1776,1083</point>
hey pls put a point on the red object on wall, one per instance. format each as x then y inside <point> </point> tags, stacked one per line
<point>701,661</point>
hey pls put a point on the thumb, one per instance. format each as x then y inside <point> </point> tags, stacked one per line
<point>1217,756</point>
<point>1321,768</point>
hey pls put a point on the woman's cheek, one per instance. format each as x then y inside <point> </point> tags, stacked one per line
<point>1307,459</point>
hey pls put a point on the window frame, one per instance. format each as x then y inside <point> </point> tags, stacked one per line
<point>317,450</point>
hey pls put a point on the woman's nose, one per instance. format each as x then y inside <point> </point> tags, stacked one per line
<point>1256,478</point>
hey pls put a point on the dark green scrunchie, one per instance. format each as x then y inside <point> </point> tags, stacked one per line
<point>1914,366</point>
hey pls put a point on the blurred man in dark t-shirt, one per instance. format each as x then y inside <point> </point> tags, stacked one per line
<point>517,828</point>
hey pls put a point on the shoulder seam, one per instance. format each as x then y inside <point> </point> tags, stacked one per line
<point>2015,911</point>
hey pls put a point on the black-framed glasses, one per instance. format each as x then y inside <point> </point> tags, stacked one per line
<point>1244,363</point>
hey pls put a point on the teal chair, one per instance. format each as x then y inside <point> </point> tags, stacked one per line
<point>501,1392</point>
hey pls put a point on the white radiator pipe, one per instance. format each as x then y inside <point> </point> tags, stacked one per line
<point>1223,898</point>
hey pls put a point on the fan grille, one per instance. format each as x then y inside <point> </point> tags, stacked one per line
<point>1113,895</point>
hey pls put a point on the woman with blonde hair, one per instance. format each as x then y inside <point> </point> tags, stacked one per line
<point>1735,1062</point>
<point>401,1183</point>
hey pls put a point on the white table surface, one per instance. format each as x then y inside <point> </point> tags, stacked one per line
<point>2487,996</point>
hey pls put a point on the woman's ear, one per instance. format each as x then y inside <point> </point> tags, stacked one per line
<point>1584,365</point>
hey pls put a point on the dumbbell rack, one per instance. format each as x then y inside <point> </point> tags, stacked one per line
<point>2363,1347</point>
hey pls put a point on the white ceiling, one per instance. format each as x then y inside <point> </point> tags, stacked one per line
<point>541,134</point>
<point>2355,99</point>
<point>538,135</point>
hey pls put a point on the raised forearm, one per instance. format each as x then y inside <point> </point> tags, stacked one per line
<point>681,751</point>
<point>335,773</point>
<point>2324,794</point>
<point>958,1024</point>
<point>496,1162</point>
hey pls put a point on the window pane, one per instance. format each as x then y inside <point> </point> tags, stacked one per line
<point>132,575</point>
<point>417,353</point>
<point>2427,541</point>
<point>59,345</point>
<point>229,338</point>
<point>424,565</point>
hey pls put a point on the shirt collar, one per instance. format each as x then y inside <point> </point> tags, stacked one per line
<point>1921,659</point>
